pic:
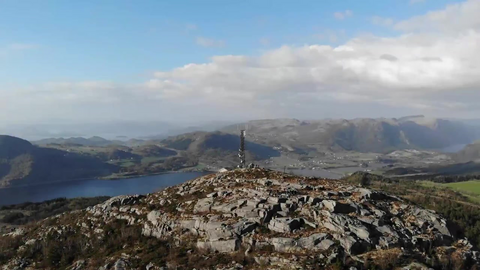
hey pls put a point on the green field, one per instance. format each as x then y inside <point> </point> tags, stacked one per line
<point>148,160</point>
<point>471,189</point>
<point>126,163</point>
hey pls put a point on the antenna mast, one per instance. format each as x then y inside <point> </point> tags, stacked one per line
<point>241,151</point>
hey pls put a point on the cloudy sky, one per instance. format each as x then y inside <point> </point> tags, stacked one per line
<point>188,61</point>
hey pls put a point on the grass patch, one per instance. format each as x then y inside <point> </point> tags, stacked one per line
<point>124,163</point>
<point>471,187</point>
<point>149,160</point>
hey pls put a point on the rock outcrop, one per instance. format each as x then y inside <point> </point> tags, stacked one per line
<point>272,220</point>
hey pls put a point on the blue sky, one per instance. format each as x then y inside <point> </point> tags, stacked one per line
<point>124,40</point>
<point>190,61</point>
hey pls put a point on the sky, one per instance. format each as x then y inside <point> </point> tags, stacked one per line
<point>216,60</point>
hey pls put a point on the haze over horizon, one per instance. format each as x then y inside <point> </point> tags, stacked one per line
<point>189,61</point>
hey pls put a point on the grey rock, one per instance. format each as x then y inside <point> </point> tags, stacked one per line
<point>120,264</point>
<point>247,212</point>
<point>365,212</point>
<point>339,208</point>
<point>388,242</point>
<point>351,245</point>
<point>284,244</point>
<point>317,241</point>
<point>325,244</point>
<point>244,227</point>
<point>361,231</point>
<point>203,205</point>
<point>387,230</point>
<point>225,208</point>
<point>223,246</point>
<point>188,224</point>
<point>221,233</point>
<point>122,200</point>
<point>314,201</point>
<point>367,194</point>
<point>285,225</point>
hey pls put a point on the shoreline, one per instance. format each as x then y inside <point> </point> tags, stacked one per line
<point>120,177</point>
<point>104,178</point>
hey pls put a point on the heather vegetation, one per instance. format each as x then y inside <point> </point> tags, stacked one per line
<point>458,207</point>
<point>24,213</point>
<point>60,251</point>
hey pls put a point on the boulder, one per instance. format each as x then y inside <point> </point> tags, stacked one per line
<point>318,241</point>
<point>284,244</point>
<point>203,205</point>
<point>360,231</point>
<point>223,246</point>
<point>351,245</point>
<point>244,227</point>
<point>286,224</point>
<point>338,208</point>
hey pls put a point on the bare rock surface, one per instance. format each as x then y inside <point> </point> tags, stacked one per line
<point>272,220</point>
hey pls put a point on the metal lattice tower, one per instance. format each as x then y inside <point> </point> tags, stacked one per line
<point>241,151</point>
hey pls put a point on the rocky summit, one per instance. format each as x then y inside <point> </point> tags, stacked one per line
<point>244,219</point>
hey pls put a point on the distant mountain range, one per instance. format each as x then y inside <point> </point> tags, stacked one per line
<point>22,163</point>
<point>93,141</point>
<point>111,130</point>
<point>362,135</point>
<point>380,135</point>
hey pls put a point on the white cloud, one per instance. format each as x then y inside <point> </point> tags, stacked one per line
<point>432,72</point>
<point>343,14</point>
<point>208,42</point>
<point>456,17</point>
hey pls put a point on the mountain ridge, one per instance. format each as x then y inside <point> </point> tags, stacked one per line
<point>361,134</point>
<point>24,163</point>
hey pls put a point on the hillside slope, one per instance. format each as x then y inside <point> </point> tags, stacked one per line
<point>470,152</point>
<point>244,219</point>
<point>362,135</point>
<point>207,146</point>
<point>22,163</point>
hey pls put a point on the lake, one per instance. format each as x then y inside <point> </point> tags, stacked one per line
<point>93,188</point>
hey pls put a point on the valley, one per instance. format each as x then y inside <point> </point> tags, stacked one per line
<point>331,148</point>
